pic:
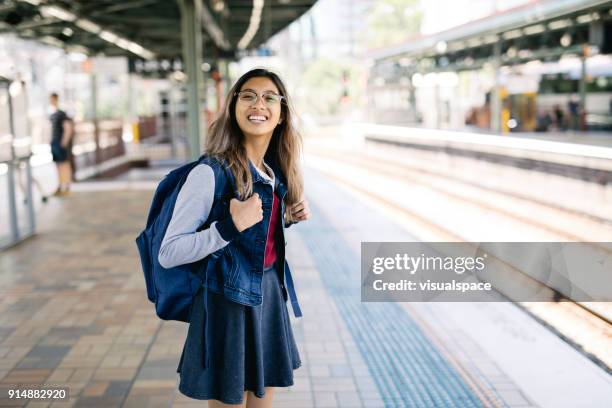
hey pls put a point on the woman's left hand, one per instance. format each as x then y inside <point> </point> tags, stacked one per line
<point>300,211</point>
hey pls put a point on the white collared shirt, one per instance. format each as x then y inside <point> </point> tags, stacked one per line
<point>264,175</point>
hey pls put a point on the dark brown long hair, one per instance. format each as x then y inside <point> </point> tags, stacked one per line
<point>225,141</point>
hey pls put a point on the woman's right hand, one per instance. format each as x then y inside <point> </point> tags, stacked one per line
<point>246,213</point>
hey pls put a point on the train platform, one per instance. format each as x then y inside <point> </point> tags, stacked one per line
<point>74,312</point>
<point>582,155</point>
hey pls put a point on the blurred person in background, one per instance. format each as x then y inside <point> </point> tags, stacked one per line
<point>62,130</point>
<point>544,121</point>
<point>573,108</point>
<point>559,117</point>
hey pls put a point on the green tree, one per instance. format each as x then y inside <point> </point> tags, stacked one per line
<point>329,85</point>
<point>391,22</point>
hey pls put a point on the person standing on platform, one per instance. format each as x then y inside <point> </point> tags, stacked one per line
<point>240,344</point>
<point>573,108</point>
<point>559,117</point>
<point>62,131</point>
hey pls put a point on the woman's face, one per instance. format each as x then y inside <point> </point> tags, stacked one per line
<point>258,107</point>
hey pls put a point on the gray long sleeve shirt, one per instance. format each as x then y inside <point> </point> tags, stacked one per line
<point>182,242</point>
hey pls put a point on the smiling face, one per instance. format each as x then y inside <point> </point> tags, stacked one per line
<point>258,119</point>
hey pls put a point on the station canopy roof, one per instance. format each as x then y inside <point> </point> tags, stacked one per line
<point>543,29</point>
<point>147,29</point>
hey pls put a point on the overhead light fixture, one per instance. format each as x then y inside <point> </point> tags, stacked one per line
<point>253,25</point>
<point>441,47</point>
<point>534,29</point>
<point>115,39</point>
<point>47,39</point>
<point>108,36</point>
<point>88,25</point>
<point>178,76</point>
<point>122,43</point>
<point>566,40</point>
<point>77,53</point>
<point>218,6</point>
<point>213,29</point>
<point>135,48</point>
<point>491,39</point>
<point>474,42</point>
<point>57,12</point>
<point>534,63</point>
<point>524,54</point>
<point>509,35</point>
<point>455,46</point>
<point>559,24</point>
<point>15,88</point>
<point>404,61</point>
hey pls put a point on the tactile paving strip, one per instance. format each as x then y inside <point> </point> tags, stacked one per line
<point>407,369</point>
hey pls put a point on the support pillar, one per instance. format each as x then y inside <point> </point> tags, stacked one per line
<point>438,107</point>
<point>10,177</point>
<point>495,91</point>
<point>225,73</point>
<point>191,32</point>
<point>94,116</point>
<point>130,112</point>
<point>223,65</point>
<point>581,125</point>
<point>413,116</point>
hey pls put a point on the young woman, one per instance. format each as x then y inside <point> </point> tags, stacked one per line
<point>240,344</point>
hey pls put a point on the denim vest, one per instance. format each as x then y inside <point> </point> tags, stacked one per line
<point>236,270</point>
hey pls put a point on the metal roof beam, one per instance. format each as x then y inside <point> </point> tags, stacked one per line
<point>146,22</point>
<point>537,13</point>
<point>212,28</point>
<point>37,23</point>
<point>122,7</point>
<point>127,19</point>
<point>254,24</point>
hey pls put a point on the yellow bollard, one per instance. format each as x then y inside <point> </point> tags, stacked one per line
<point>135,132</point>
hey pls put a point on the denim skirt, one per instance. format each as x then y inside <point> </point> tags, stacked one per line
<point>250,347</point>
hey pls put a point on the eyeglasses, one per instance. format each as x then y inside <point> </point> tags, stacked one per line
<point>250,98</point>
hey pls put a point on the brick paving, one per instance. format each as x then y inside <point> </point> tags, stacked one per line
<point>74,313</point>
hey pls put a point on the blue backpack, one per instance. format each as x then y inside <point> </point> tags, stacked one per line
<point>172,290</point>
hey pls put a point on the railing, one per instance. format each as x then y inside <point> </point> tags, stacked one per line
<point>93,146</point>
<point>147,127</point>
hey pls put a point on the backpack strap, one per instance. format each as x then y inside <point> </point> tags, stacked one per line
<point>215,165</point>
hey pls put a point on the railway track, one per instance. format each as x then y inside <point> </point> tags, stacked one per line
<point>587,326</point>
